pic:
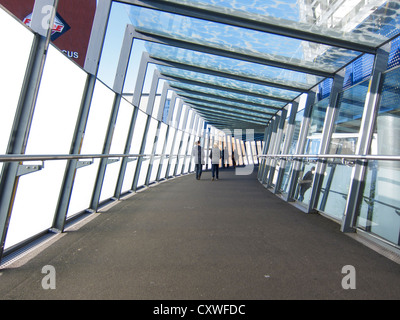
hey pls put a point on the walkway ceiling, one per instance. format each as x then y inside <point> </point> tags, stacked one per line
<point>238,63</point>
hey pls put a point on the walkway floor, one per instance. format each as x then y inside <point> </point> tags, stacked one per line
<point>187,239</point>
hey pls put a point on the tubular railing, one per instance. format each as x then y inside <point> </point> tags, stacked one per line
<point>347,159</point>
<point>331,156</point>
<point>44,157</point>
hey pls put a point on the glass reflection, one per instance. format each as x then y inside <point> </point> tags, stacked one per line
<point>380,207</point>
<point>232,66</point>
<point>334,191</point>
<point>361,21</point>
<point>245,41</point>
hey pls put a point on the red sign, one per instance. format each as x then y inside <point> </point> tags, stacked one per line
<point>72,25</point>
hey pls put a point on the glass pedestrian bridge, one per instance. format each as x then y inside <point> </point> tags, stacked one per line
<point>282,87</point>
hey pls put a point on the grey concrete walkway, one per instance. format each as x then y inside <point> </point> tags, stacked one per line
<point>188,239</point>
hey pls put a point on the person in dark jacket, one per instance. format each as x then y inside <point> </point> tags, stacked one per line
<point>198,155</point>
<point>306,183</point>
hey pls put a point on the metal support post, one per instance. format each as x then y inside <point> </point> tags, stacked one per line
<point>135,101</point>
<point>331,114</point>
<point>267,137</point>
<point>271,147</point>
<point>277,145</point>
<point>167,134</point>
<point>178,114</point>
<point>286,145</point>
<point>371,107</point>
<point>149,112</point>
<point>185,118</point>
<point>157,137</point>
<point>187,150</point>
<point>301,144</point>
<point>91,66</point>
<point>118,88</point>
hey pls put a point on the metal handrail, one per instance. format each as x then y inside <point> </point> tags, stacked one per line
<point>43,157</point>
<point>331,156</point>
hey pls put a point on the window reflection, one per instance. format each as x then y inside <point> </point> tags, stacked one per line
<point>380,207</point>
<point>335,188</point>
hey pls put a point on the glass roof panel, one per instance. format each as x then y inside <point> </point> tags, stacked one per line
<point>221,44</point>
<point>240,40</point>
<point>229,83</point>
<point>229,110</point>
<point>228,116</point>
<point>232,66</point>
<point>228,95</point>
<point>248,107</point>
<point>369,22</point>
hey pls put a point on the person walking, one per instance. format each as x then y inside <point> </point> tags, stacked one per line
<point>215,156</point>
<point>198,155</point>
<point>306,183</point>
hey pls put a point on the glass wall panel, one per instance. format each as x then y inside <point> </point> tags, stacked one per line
<point>117,147</point>
<point>249,156</point>
<point>168,152</point>
<point>243,153</point>
<point>254,151</point>
<point>188,158</point>
<point>333,196</point>
<point>51,132</point>
<point>93,142</point>
<point>143,171</point>
<point>284,187</point>
<point>182,151</point>
<point>316,126</point>
<point>135,149</point>
<point>156,106</point>
<point>13,62</point>
<point>174,152</point>
<point>380,206</point>
<point>159,149</point>
<point>148,150</point>
<point>143,102</point>
<point>313,141</point>
<point>182,118</point>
